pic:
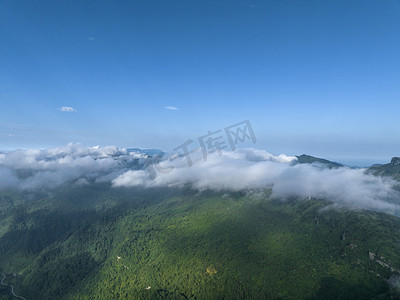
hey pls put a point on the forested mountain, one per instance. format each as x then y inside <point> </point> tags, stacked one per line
<point>98,242</point>
<point>308,159</point>
<point>391,169</point>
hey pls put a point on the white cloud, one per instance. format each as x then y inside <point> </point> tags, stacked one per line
<point>243,169</point>
<point>67,109</point>
<point>47,169</point>
<point>256,169</point>
<point>171,107</point>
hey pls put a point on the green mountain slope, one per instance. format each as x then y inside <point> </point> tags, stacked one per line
<point>102,243</point>
<point>391,169</point>
<point>308,159</point>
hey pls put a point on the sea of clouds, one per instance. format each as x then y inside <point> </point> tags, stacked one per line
<point>243,169</point>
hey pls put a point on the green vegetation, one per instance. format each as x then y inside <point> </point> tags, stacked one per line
<point>102,243</point>
<point>391,169</point>
<point>308,159</point>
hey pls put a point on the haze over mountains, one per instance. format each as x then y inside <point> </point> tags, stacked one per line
<point>111,223</point>
<point>244,169</point>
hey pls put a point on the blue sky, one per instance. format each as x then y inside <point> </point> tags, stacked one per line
<point>317,77</point>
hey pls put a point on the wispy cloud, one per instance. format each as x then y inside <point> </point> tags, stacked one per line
<point>14,126</point>
<point>171,107</point>
<point>67,109</point>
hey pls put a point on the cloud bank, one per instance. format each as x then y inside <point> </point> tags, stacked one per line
<point>243,169</point>
<point>246,169</point>
<point>48,169</point>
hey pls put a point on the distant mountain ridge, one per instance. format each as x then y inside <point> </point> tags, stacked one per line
<point>308,159</point>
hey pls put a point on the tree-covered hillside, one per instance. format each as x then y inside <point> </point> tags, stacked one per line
<point>308,159</point>
<point>391,169</point>
<point>99,242</point>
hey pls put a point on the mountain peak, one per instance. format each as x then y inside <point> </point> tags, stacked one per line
<point>391,169</point>
<point>308,159</point>
<point>395,161</point>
